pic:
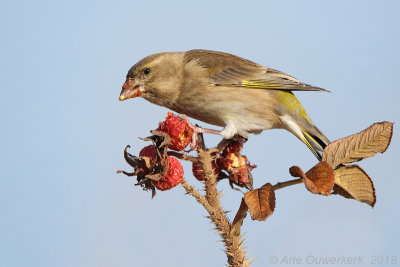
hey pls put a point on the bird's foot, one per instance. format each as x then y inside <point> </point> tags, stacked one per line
<point>239,138</point>
<point>196,131</point>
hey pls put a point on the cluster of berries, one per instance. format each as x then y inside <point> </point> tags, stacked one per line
<point>231,161</point>
<point>166,172</point>
<point>171,178</point>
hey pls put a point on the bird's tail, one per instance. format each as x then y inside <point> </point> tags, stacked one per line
<point>307,132</point>
<point>296,120</point>
<point>315,141</point>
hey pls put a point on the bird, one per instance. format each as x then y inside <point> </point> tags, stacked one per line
<point>225,90</point>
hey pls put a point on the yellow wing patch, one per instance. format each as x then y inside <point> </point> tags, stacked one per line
<point>262,84</point>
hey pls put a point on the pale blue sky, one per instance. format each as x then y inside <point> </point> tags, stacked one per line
<point>63,129</point>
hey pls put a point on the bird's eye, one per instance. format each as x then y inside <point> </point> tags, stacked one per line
<point>146,71</point>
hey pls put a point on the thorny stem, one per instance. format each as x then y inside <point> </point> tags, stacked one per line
<point>211,179</point>
<point>191,190</point>
<point>233,243</point>
<point>287,183</point>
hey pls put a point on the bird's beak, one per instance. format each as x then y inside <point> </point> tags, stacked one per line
<point>131,89</point>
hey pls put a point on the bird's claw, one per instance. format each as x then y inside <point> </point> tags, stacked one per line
<point>196,131</point>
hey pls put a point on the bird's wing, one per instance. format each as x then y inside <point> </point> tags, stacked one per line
<point>229,70</point>
<point>265,78</point>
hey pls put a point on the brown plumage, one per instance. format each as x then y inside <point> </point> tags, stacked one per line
<point>224,90</point>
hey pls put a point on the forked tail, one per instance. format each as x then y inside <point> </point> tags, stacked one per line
<point>315,143</point>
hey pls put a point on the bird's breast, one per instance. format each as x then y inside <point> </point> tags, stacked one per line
<point>247,109</point>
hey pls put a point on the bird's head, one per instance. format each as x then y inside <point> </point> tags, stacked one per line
<point>155,78</point>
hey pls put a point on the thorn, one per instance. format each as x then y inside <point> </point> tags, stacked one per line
<point>148,138</point>
<point>250,260</point>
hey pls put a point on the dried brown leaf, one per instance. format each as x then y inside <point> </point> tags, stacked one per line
<point>356,147</point>
<point>238,220</point>
<point>296,171</point>
<point>337,190</point>
<point>261,202</point>
<point>353,182</point>
<point>318,180</point>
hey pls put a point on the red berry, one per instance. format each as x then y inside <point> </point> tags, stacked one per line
<point>244,179</point>
<point>178,130</point>
<point>174,174</point>
<point>147,151</point>
<point>198,171</point>
<point>235,146</point>
<point>241,175</point>
<point>230,161</point>
<point>235,164</point>
<point>173,177</point>
<point>230,156</point>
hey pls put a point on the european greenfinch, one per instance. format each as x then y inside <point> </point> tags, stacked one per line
<point>225,90</point>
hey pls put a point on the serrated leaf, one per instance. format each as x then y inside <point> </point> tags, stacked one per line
<point>322,179</point>
<point>261,202</point>
<point>318,180</point>
<point>353,182</point>
<point>356,147</point>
